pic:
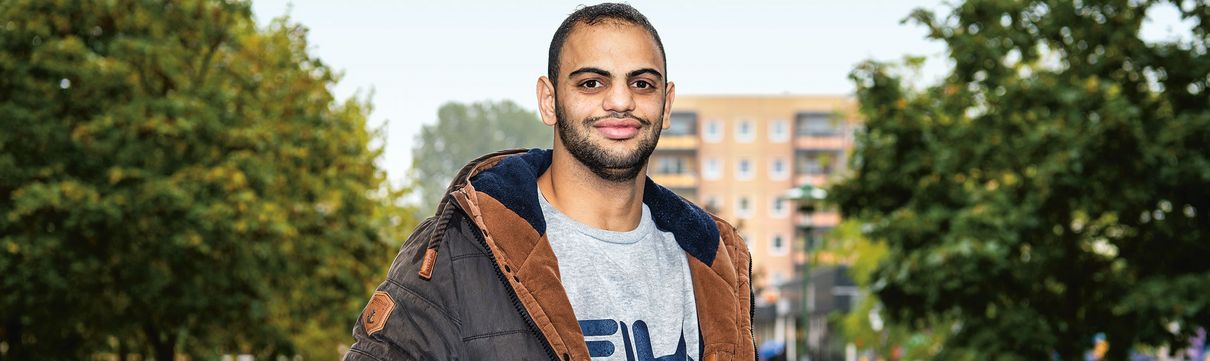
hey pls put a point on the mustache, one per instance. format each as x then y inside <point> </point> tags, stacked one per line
<point>616,115</point>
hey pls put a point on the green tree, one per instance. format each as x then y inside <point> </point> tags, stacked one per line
<point>175,180</point>
<point>1053,186</point>
<point>465,132</point>
<point>865,325</point>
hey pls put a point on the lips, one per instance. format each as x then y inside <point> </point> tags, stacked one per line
<point>618,129</point>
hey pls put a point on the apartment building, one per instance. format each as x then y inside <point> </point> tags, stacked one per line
<point>738,156</point>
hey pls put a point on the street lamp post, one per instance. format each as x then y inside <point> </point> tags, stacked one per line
<point>806,197</point>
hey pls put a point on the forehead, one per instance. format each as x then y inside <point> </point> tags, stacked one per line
<point>610,45</point>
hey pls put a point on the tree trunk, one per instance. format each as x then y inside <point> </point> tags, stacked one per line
<point>161,344</point>
<point>123,349</point>
<point>163,351</point>
<point>12,336</point>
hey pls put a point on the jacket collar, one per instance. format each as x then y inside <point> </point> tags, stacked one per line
<point>513,182</point>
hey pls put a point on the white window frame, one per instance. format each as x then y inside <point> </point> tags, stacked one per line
<point>745,137</point>
<point>779,137</point>
<point>712,169</point>
<point>774,249</point>
<point>740,174</point>
<point>742,212</point>
<point>715,136</point>
<point>785,208</point>
<point>785,169</point>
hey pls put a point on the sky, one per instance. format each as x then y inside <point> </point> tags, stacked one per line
<point>415,56</point>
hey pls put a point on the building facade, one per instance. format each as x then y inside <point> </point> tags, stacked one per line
<point>737,157</point>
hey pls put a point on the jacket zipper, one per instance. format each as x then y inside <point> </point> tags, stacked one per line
<point>752,305</point>
<point>512,293</point>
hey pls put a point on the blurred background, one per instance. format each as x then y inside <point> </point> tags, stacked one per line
<point>916,180</point>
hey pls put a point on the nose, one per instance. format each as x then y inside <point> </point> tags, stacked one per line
<point>619,99</point>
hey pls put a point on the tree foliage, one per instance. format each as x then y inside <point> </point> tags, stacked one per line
<point>175,180</point>
<point>1055,185</point>
<point>464,132</point>
<point>864,326</point>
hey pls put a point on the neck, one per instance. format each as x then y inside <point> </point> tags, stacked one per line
<point>576,191</point>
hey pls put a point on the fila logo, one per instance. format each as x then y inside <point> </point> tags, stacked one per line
<point>637,348</point>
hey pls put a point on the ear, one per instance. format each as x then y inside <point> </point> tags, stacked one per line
<point>546,101</point>
<point>669,96</point>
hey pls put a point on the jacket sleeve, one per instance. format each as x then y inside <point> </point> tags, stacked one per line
<point>409,317</point>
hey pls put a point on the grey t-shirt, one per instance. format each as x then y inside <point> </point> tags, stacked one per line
<point>631,291</point>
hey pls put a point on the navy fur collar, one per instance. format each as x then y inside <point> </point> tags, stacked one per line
<point>513,182</point>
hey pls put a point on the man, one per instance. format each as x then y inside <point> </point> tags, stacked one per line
<point>571,253</point>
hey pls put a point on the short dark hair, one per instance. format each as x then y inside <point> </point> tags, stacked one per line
<point>592,15</point>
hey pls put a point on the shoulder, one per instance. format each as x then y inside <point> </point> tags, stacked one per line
<point>736,246</point>
<point>725,230</point>
<point>448,235</point>
<point>414,313</point>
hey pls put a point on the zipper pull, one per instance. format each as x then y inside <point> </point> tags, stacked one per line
<point>426,267</point>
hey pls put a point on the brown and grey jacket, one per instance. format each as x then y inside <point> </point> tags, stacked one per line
<point>479,281</point>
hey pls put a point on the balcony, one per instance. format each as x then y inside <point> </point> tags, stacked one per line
<point>820,142</point>
<point>820,130</point>
<point>676,181</point>
<point>677,142</point>
<point>681,133</point>
<point>824,219</point>
<point>812,179</point>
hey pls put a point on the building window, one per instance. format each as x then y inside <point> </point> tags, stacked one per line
<point>777,245</point>
<point>681,123</point>
<point>747,239</point>
<point>671,165</point>
<point>817,125</point>
<point>778,169</point>
<point>777,279</point>
<point>743,208</point>
<point>817,237</point>
<point>712,205</point>
<point>816,162</point>
<point>743,170</point>
<point>779,132</point>
<point>779,208</point>
<point>714,131</point>
<point>745,131</point>
<point>713,169</point>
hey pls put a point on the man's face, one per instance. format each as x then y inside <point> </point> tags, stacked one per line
<point>610,98</point>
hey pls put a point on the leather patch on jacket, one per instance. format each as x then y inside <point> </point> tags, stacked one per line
<point>374,318</point>
<point>426,267</point>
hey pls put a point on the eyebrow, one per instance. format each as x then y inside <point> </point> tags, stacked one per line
<point>605,73</point>
<point>583,70</point>
<point>642,71</point>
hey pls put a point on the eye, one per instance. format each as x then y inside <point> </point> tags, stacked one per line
<point>591,84</point>
<point>643,84</point>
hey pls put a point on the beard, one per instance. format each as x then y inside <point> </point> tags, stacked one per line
<point>617,168</point>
